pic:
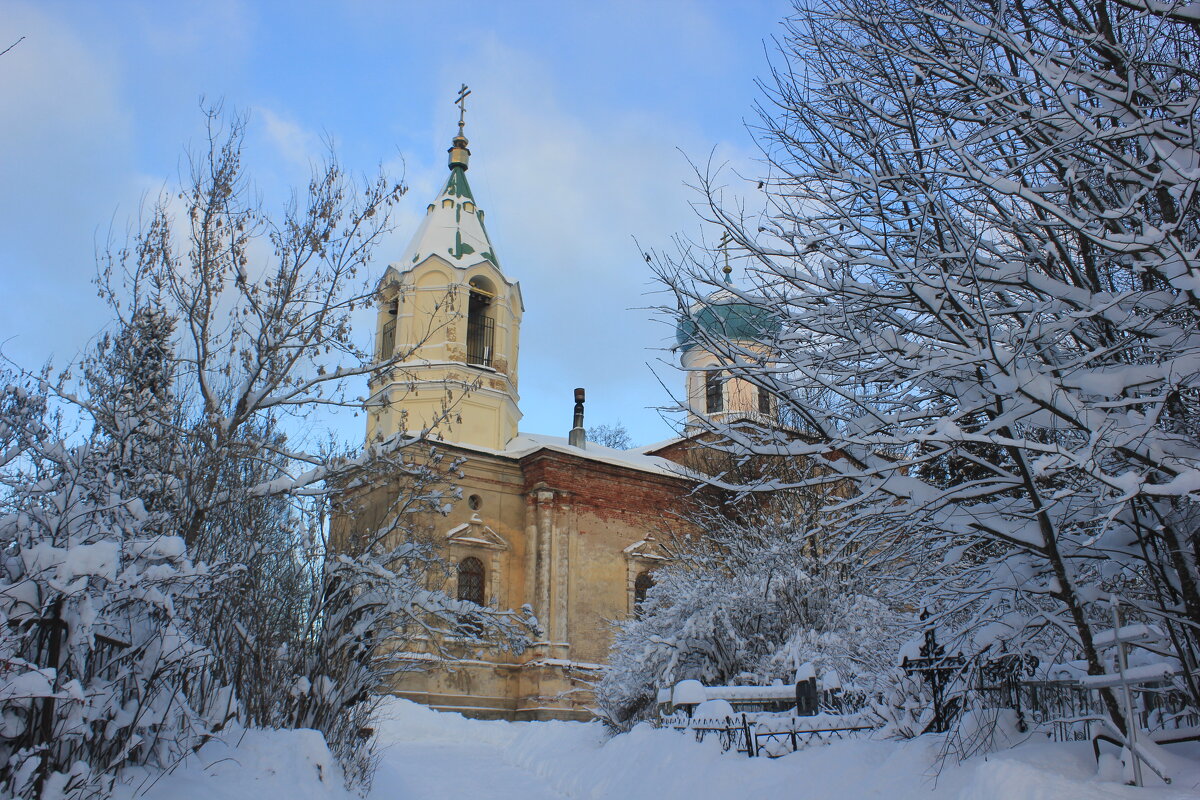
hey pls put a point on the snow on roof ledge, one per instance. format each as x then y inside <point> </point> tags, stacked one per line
<point>524,444</point>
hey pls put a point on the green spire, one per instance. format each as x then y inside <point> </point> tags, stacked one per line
<point>456,184</point>
<point>453,227</point>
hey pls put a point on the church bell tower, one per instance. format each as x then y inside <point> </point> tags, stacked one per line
<point>451,318</point>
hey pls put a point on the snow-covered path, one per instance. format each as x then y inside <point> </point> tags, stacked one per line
<point>451,772</point>
<point>424,754</point>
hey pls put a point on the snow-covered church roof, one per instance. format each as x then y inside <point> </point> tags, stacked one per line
<point>453,226</point>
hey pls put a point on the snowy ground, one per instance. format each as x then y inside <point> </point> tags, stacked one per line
<point>430,755</point>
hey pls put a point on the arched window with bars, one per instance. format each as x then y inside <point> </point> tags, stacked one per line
<point>481,322</point>
<point>470,580</point>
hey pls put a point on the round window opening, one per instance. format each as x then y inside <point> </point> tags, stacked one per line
<point>475,501</point>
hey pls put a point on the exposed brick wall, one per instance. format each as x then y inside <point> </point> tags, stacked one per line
<point>609,491</point>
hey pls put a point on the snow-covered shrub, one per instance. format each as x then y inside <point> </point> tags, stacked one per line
<point>904,707</point>
<point>97,629</point>
<point>743,628</point>
<point>764,591</point>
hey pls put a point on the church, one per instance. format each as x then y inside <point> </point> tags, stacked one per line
<point>565,526</point>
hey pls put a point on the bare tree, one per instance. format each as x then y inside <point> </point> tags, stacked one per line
<point>615,436</point>
<point>11,46</point>
<point>980,255</point>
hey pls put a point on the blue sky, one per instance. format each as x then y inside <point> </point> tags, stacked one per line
<point>582,119</point>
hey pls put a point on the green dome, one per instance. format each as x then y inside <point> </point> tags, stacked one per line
<point>728,319</point>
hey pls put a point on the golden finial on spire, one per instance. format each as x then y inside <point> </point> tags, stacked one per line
<point>458,148</point>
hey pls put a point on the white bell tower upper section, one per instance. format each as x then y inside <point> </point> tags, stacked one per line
<point>449,319</point>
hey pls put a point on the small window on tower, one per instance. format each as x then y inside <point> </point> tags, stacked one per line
<point>764,401</point>
<point>387,340</point>
<point>714,394</point>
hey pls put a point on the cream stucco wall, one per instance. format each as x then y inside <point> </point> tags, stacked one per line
<point>560,533</point>
<point>740,395</point>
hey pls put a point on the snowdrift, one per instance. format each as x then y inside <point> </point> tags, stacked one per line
<point>428,754</point>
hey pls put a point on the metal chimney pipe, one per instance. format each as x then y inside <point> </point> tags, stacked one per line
<point>578,436</point>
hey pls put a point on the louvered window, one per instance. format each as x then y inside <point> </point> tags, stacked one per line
<point>481,328</point>
<point>387,341</point>
<point>714,394</point>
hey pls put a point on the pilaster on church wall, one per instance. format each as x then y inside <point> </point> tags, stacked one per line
<point>548,563</point>
<point>565,525</point>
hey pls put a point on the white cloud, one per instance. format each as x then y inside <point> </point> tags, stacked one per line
<point>293,143</point>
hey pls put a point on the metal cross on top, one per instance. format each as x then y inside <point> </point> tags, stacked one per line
<point>461,102</point>
<point>726,239</point>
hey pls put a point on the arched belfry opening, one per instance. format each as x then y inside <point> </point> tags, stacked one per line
<point>481,321</point>
<point>389,310</point>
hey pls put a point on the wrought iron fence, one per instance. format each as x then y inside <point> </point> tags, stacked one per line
<point>1068,710</point>
<point>775,743</point>
<point>1064,709</point>
<point>770,736</point>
